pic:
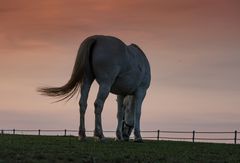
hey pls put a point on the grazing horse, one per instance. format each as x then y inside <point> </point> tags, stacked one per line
<point>120,69</point>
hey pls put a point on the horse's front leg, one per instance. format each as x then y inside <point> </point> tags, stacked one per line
<point>139,97</point>
<point>101,97</point>
<point>120,117</point>
<point>83,106</point>
<point>128,117</point>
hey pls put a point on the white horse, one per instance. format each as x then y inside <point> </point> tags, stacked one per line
<point>117,68</point>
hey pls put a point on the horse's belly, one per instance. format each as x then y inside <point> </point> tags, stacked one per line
<point>127,84</point>
<point>121,90</point>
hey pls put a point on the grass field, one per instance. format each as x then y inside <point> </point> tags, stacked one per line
<point>20,148</point>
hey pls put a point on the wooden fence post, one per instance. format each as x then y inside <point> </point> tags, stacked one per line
<point>2,132</point>
<point>158,134</point>
<point>65,132</point>
<point>193,136</point>
<point>13,131</point>
<point>39,132</point>
<point>235,137</point>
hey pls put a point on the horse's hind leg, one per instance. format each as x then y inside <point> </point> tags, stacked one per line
<point>139,97</point>
<point>103,92</point>
<point>120,117</point>
<point>85,87</point>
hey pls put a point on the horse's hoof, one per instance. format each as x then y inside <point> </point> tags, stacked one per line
<point>125,137</point>
<point>98,139</point>
<point>118,136</point>
<point>138,140</point>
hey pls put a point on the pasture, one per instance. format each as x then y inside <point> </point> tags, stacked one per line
<point>22,148</point>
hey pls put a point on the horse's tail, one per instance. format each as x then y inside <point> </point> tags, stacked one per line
<point>68,90</point>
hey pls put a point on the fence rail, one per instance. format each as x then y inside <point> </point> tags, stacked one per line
<point>192,136</point>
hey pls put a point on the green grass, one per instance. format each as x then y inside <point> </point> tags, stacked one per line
<point>19,148</point>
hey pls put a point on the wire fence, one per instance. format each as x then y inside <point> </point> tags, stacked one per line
<point>191,136</point>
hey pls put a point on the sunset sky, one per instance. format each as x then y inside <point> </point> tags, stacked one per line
<point>193,47</point>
